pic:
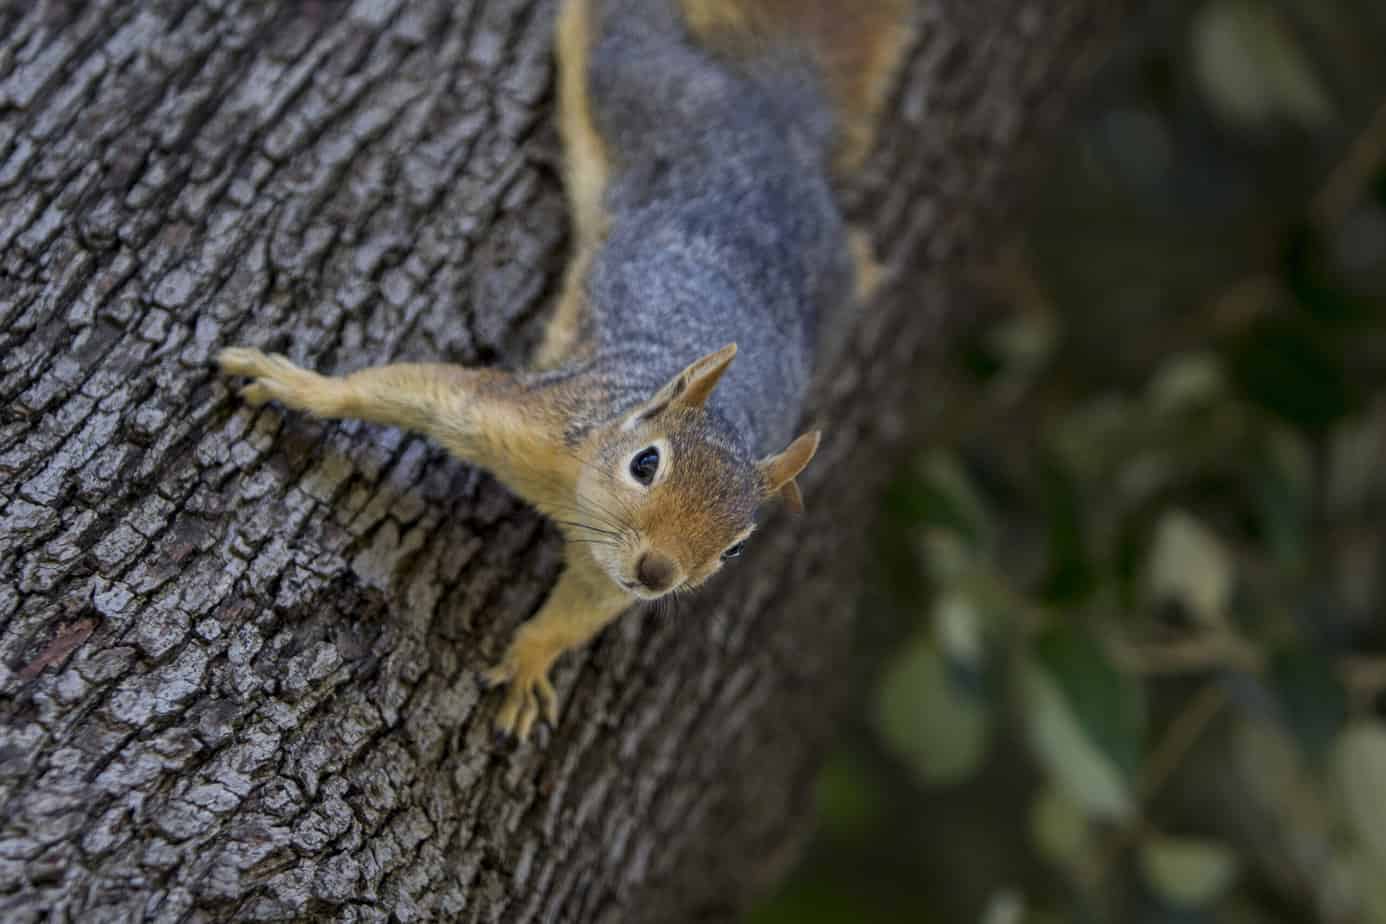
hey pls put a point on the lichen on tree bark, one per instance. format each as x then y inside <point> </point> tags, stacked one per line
<point>238,648</point>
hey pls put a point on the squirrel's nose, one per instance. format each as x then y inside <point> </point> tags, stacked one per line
<point>656,572</point>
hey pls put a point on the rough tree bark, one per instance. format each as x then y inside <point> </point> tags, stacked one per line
<point>238,648</point>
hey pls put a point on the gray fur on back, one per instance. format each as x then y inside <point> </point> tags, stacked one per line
<point>723,228</point>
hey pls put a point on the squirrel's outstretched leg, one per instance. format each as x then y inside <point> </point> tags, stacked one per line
<point>484,416</point>
<point>414,396</point>
<point>582,603</point>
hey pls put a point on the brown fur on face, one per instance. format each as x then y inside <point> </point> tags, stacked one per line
<point>657,518</point>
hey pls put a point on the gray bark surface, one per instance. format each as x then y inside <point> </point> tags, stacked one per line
<point>238,648</point>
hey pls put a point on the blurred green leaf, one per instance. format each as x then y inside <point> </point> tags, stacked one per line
<point>1190,565</point>
<point>1187,380</point>
<point>951,500</point>
<point>1089,439</point>
<point>1355,472</point>
<point>939,730</point>
<point>1059,828</point>
<point>1312,697</point>
<point>1359,769</point>
<point>1073,760</point>
<point>1280,788</point>
<point>1024,341</point>
<point>1004,906</point>
<point>1108,705</point>
<point>947,556</point>
<point>1070,572</point>
<point>1251,67</point>
<point>1284,493</point>
<point>849,803</point>
<point>1187,872</point>
<point>1370,885</point>
<point>960,631</point>
<point>908,499</point>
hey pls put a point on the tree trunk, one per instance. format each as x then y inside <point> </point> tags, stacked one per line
<point>238,648</point>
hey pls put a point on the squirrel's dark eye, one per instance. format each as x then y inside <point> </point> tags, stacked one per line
<point>644,465</point>
<point>733,551</point>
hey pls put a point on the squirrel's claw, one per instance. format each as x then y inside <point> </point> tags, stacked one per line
<point>548,701</point>
<point>255,394</point>
<point>530,696</point>
<point>253,364</point>
<point>241,361</point>
<point>278,378</point>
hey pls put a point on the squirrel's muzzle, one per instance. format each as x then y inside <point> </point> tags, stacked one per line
<point>656,573</point>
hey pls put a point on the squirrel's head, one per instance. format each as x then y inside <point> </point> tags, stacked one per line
<point>665,498</point>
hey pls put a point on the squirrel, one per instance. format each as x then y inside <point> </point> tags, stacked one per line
<point>702,139</point>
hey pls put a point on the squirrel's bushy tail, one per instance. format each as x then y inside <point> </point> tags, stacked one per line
<point>858,46</point>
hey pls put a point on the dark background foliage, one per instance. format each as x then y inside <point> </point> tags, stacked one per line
<point>1132,592</point>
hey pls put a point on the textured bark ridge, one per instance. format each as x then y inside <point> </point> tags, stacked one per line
<point>238,648</point>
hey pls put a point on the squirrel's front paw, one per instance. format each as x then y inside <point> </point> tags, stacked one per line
<point>277,378</point>
<point>525,668</point>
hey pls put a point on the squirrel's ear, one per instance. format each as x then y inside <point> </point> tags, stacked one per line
<point>695,384</point>
<point>779,471</point>
<point>692,386</point>
<point>791,498</point>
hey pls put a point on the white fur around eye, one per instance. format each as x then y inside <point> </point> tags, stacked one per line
<point>666,464</point>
